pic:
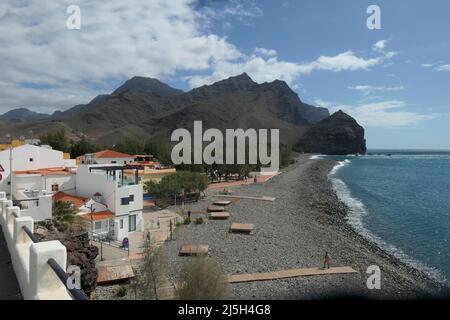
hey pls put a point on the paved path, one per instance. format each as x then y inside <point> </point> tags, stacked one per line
<point>9,288</point>
<point>293,273</point>
<point>263,198</point>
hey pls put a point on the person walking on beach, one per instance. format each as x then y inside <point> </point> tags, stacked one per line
<point>326,261</point>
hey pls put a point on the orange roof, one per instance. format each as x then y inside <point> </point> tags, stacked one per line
<point>101,215</point>
<point>46,171</point>
<point>111,154</point>
<point>78,202</point>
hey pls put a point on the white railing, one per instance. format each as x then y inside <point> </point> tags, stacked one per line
<point>36,276</point>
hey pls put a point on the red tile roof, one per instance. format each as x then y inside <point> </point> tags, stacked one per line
<point>78,202</point>
<point>111,154</point>
<point>101,215</point>
<point>46,171</point>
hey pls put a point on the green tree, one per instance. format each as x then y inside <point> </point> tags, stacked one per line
<point>161,151</point>
<point>176,182</point>
<point>201,278</point>
<point>63,211</point>
<point>57,140</point>
<point>151,275</point>
<point>130,146</point>
<point>81,147</point>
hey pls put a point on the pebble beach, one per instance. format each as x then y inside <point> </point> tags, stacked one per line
<point>294,231</point>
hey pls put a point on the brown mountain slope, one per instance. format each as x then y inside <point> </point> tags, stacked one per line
<point>137,109</point>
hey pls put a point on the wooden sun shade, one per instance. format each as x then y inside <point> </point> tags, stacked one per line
<point>215,209</point>
<point>242,228</point>
<point>222,202</point>
<point>193,250</point>
<point>219,215</point>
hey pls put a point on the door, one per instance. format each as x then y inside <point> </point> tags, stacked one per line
<point>132,223</point>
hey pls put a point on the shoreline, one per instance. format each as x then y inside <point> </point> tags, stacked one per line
<point>372,239</point>
<point>307,219</point>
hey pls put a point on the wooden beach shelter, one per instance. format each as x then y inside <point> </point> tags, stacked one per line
<point>193,250</point>
<point>215,209</point>
<point>219,215</point>
<point>241,228</point>
<point>222,203</point>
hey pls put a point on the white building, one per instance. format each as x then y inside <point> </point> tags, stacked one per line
<point>93,212</point>
<point>123,197</point>
<point>37,172</point>
<point>29,157</point>
<point>106,157</point>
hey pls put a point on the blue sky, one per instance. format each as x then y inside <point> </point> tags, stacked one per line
<point>394,81</point>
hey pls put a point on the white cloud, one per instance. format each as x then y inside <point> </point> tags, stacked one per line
<point>379,46</point>
<point>390,113</point>
<point>444,67</point>
<point>265,52</point>
<point>45,65</point>
<point>117,40</point>
<point>366,89</point>
<point>426,65</point>
<point>263,68</point>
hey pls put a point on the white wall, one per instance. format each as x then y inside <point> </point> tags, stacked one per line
<point>39,210</point>
<point>36,279</point>
<point>22,155</point>
<point>66,182</point>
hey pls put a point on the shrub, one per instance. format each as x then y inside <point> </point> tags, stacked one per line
<point>201,278</point>
<point>122,292</point>
<point>187,220</point>
<point>199,220</point>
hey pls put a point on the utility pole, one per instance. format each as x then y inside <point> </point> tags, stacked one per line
<point>10,166</point>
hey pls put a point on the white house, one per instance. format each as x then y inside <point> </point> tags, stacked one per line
<point>29,157</point>
<point>106,157</point>
<point>123,197</point>
<point>93,212</point>
<point>37,172</point>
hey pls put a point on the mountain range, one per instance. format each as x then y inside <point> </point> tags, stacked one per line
<point>145,108</point>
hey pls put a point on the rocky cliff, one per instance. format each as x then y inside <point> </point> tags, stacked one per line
<point>339,134</point>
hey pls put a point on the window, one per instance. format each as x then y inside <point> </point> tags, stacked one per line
<point>125,162</point>
<point>127,200</point>
<point>132,223</point>
<point>121,223</point>
<point>98,225</point>
<point>55,187</point>
<point>31,159</point>
<point>113,161</point>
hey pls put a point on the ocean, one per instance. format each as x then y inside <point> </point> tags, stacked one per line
<point>401,201</point>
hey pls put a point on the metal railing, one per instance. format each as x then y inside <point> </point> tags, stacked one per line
<point>77,294</point>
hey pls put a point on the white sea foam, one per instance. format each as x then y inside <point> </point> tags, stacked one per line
<point>355,216</point>
<point>340,165</point>
<point>316,157</point>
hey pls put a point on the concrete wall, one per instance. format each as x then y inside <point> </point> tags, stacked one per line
<point>36,279</point>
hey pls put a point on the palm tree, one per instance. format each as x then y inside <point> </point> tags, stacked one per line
<point>64,211</point>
